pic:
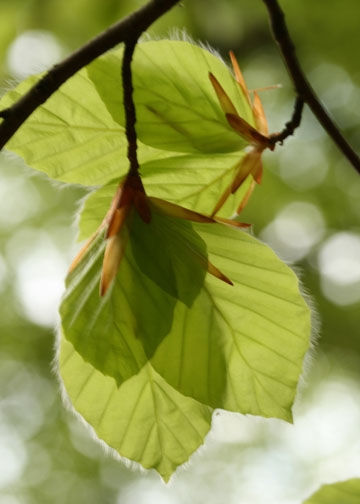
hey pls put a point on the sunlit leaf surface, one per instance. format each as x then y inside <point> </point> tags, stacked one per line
<point>305,169</point>
<point>111,331</point>
<point>165,331</point>
<point>118,332</point>
<point>185,179</point>
<point>144,420</point>
<point>236,347</point>
<point>77,136</point>
<point>72,137</point>
<point>177,108</point>
<point>240,347</point>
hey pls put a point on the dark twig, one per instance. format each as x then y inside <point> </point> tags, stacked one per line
<point>129,28</point>
<point>130,113</point>
<point>291,125</point>
<point>301,84</point>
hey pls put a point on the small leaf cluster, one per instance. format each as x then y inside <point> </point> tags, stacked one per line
<point>171,310</point>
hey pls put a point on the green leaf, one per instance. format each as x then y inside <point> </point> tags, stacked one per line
<point>144,420</point>
<point>165,261</point>
<point>169,252</point>
<point>176,105</point>
<point>345,492</point>
<point>194,181</point>
<point>112,332</point>
<point>77,136</point>
<point>72,137</point>
<point>239,348</point>
<point>185,179</point>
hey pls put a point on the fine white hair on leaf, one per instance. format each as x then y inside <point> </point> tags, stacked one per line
<point>309,357</point>
<point>178,34</point>
<point>78,213</point>
<point>8,85</point>
<point>315,329</point>
<point>108,450</point>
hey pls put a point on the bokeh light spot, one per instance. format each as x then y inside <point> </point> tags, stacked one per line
<point>40,271</point>
<point>33,51</point>
<point>303,166</point>
<point>339,266</point>
<point>12,457</point>
<point>295,230</point>
<point>14,207</point>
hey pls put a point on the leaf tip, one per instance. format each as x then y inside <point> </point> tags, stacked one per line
<point>213,270</point>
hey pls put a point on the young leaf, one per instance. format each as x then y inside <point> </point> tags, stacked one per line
<point>169,252</point>
<point>194,182</point>
<point>235,347</point>
<point>112,332</point>
<point>162,262</point>
<point>144,420</point>
<point>185,179</point>
<point>239,348</point>
<point>90,321</point>
<point>86,112</point>
<point>72,137</point>
<point>344,492</point>
<point>176,106</point>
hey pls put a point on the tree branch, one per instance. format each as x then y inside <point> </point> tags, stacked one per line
<point>130,113</point>
<point>301,84</point>
<point>291,125</point>
<point>129,28</point>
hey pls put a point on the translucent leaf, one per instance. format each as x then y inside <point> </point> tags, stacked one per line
<point>72,137</point>
<point>185,179</point>
<point>194,181</point>
<point>77,136</point>
<point>144,420</point>
<point>345,492</point>
<point>239,348</point>
<point>117,333</point>
<point>99,326</point>
<point>169,251</point>
<point>177,108</point>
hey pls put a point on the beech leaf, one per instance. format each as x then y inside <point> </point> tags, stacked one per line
<point>144,420</point>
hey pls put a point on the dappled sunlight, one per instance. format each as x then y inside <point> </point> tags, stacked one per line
<point>24,402</point>
<point>246,457</point>
<point>308,209</point>
<point>326,429</point>
<point>295,230</point>
<point>25,391</point>
<point>33,51</point>
<point>339,266</point>
<point>338,92</point>
<point>12,457</point>
<point>303,165</point>
<point>144,492</point>
<point>82,442</point>
<point>3,273</point>
<point>39,274</point>
<point>19,198</point>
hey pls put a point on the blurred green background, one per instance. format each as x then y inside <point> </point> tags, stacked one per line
<point>307,209</point>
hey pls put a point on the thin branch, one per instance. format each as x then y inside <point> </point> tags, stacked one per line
<point>301,84</point>
<point>291,125</point>
<point>130,113</point>
<point>129,28</point>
